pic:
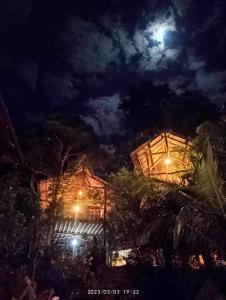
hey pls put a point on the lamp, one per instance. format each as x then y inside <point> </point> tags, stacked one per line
<point>74,242</point>
<point>80,193</point>
<point>168,161</point>
<point>77,208</point>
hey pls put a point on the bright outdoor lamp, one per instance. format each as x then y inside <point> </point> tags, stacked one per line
<point>80,193</point>
<point>77,208</point>
<point>74,242</point>
<point>168,161</point>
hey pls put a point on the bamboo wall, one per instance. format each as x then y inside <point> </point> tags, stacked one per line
<point>166,157</point>
<point>81,194</point>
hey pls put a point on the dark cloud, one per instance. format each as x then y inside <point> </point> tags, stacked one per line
<point>85,47</point>
<point>58,89</point>
<point>105,116</point>
<point>13,14</point>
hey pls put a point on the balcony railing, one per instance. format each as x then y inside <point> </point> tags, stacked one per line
<point>84,214</point>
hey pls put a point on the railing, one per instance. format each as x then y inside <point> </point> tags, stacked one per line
<point>83,218</point>
<point>83,213</point>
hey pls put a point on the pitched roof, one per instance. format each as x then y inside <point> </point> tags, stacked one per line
<point>163,156</point>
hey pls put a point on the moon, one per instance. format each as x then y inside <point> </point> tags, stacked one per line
<point>159,34</point>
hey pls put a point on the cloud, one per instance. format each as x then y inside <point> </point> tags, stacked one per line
<point>212,82</point>
<point>120,36</point>
<point>195,63</point>
<point>85,47</point>
<point>155,55</point>
<point>178,83</point>
<point>59,89</point>
<point>104,115</point>
<point>90,48</point>
<point>14,13</point>
<point>181,6</point>
<point>101,52</point>
<point>209,81</point>
<point>92,57</point>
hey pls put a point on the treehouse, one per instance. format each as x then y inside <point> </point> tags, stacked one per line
<point>83,202</point>
<point>165,157</point>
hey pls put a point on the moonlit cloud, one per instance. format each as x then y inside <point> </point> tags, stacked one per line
<point>104,115</point>
<point>85,47</point>
<point>111,44</point>
<point>100,55</point>
<point>95,49</point>
<point>158,30</point>
<point>181,6</point>
<point>211,82</point>
<point>195,63</point>
<point>150,44</point>
<point>120,36</point>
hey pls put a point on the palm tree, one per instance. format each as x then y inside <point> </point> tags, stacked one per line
<point>187,219</point>
<point>191,217</point>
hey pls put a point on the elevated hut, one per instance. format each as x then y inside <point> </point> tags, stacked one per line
<point>84,201</point>
<point>165,157</point>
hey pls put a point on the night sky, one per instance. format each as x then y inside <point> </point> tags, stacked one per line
<point>83,56</point>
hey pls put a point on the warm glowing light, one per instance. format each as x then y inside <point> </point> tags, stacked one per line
<point>80,193</point>
<point>201,260</point>
<point>168,161</point>
<point>77,208</point>
<point>74,242</point>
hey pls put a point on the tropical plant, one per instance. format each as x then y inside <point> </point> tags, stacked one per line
<point>209,182</point>
<point>189,219</point>
<point>133,194</point>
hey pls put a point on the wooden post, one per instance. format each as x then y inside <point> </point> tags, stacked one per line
<point>104,219</point>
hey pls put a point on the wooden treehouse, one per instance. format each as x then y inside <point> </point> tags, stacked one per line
<point>165,157</point>
<point>83,199</point>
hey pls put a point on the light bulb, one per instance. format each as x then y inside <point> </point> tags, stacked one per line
<point>74,242</point>
<point>168,161</point>
<point>80,193</point>
<point>77,208</point>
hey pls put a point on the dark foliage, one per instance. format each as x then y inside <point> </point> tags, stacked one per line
<point>151,108</point>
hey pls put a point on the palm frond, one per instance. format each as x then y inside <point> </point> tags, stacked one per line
<point>209,181</point>
<point>178,229</point>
